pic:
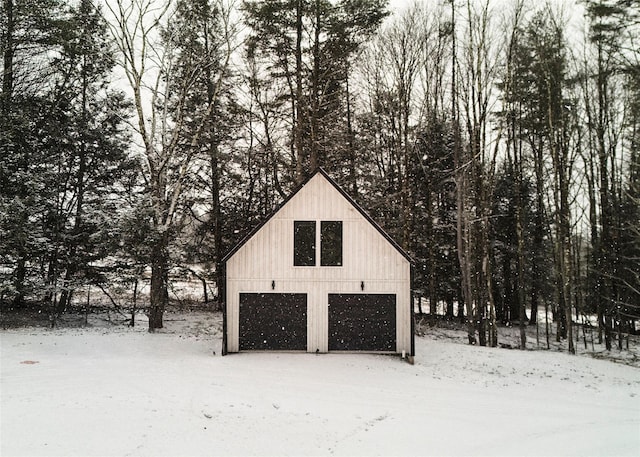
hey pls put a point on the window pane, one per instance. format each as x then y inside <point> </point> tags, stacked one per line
<point>331,243</point>
<point>304,243</point>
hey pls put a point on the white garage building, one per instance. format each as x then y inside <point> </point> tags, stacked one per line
<point>318,276</point>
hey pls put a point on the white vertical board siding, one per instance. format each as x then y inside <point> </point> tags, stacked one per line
<point>367,257</point>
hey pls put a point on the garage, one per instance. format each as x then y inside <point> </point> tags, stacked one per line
<point>362,322</point>
<point>318,275</point>
<point>273,321</point>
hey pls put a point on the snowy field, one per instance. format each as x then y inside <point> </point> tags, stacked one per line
<point>117,391</point>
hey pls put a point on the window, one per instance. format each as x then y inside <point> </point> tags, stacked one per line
<point>331,243</point>
<point>304,243</point>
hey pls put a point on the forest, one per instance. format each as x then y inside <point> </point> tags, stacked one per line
<point>496,141</point>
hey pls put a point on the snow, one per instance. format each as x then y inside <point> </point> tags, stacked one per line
<point>113,390</point>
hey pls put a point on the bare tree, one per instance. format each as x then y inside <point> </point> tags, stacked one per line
<point>149,63</point>
<point>401,48</point>
<point>389,69</point>
<point>435,51</point>
<point>475,88</point>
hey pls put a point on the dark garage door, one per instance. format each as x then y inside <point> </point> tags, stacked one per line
<point>362,322</point>
<point>273,322</point>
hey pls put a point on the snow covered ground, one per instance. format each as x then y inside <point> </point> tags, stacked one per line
<point>121,391</point>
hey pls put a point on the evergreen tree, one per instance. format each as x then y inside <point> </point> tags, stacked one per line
<point>30,34</point>
<point>434,247</point>
<point>66,157</point>
<point>96,157</point>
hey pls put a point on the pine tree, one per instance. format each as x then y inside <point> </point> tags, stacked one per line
<point>96,156</point>
<point>31,33</point>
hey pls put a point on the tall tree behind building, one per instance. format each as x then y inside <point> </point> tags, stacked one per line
<point>308,44</point>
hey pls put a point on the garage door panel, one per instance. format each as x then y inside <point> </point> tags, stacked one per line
<point>273,321</point>
<point>362,322</point>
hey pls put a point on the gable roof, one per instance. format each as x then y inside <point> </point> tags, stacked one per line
<point>342,192</point>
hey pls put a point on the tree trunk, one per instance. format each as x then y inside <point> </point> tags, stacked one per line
<point>20,275</point>
<point>533,318</point>
<point>7,72</point>
<point>522,313</point>
<point>546,324</point>
<point>488,274</point>
<point>566,251</point>
<point>300,171</point>
<point>431,262</point>
<point>449,300</point>
<point>73,264</point>
<point>132,322</point>
<point>538,233</point>
<point>159,281</point>
<point>508,287</point>
<point>219,253</point>
<point>314,160</point>
<point>461,306</point>
<point>351,135</point>
<point>217,221</point>
<point>460,179</point>
<point>65,295</point>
